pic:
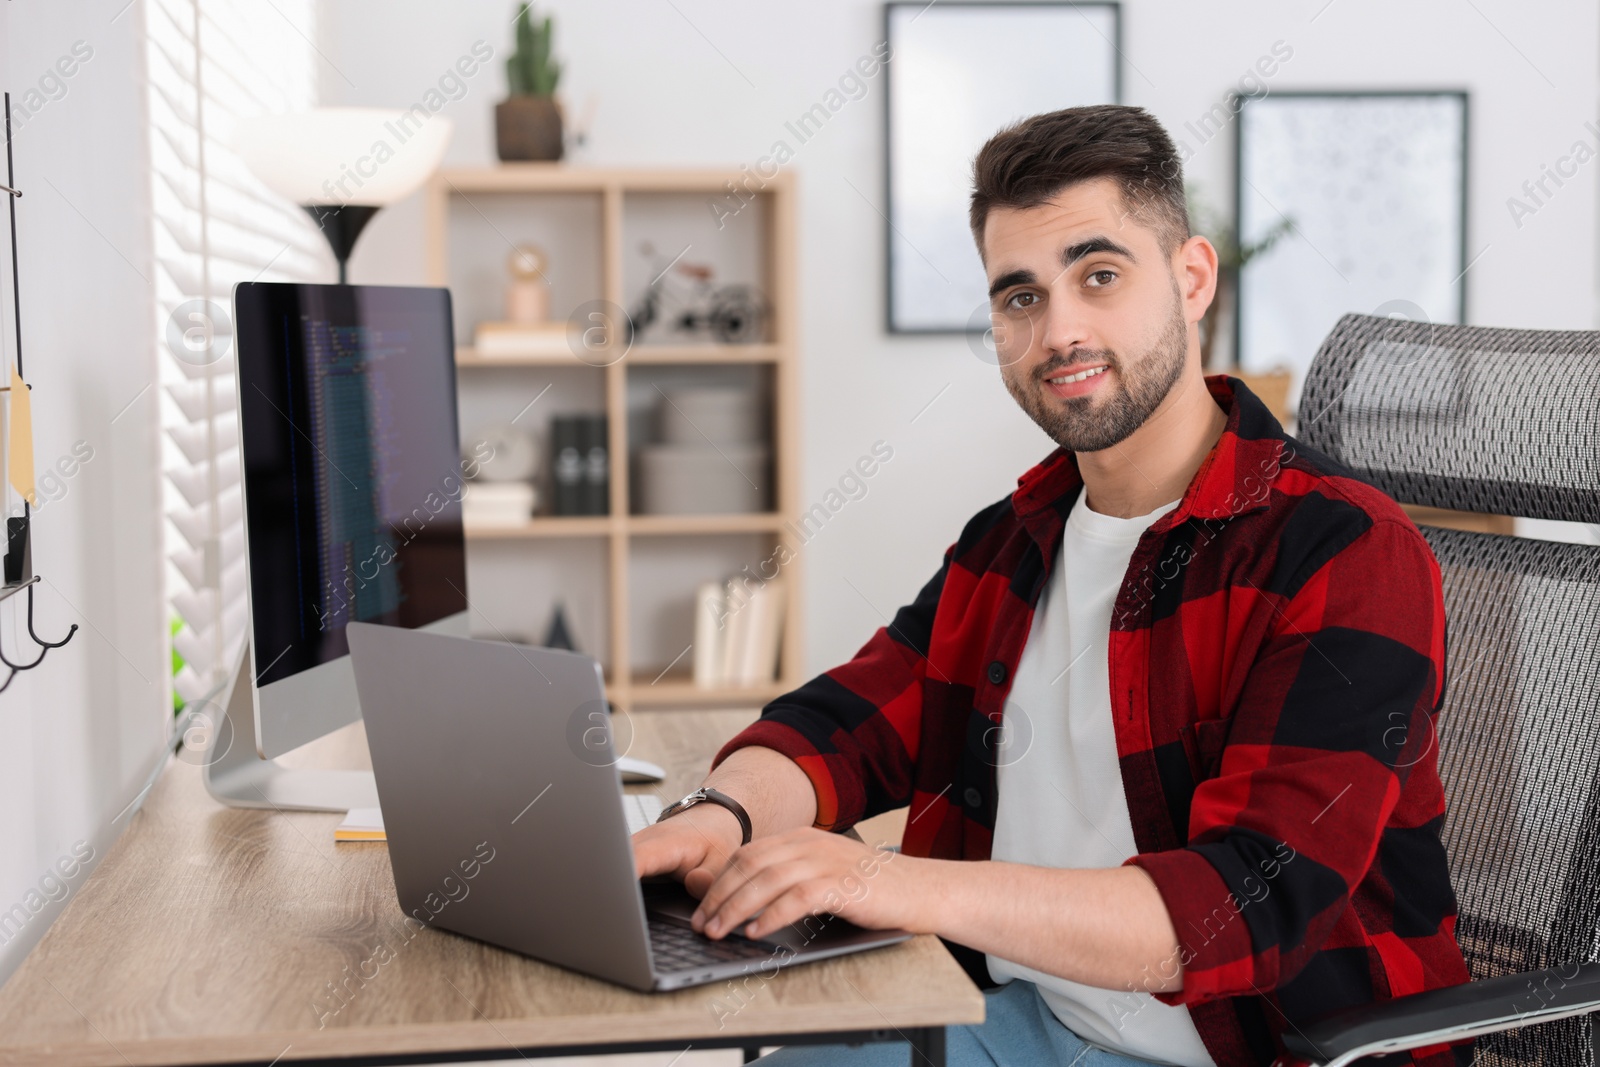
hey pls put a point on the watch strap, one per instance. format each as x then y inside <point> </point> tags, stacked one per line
<point>713,796</point>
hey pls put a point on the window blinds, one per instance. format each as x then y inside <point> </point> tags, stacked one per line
<point>211,63</point>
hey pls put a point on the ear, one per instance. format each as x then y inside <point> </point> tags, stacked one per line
<point>1194,265</point>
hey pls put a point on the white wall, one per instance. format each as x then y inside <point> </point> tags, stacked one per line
<point>81,732</point>
<point>713,81</point>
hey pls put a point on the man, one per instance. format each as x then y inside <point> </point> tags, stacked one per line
<point>1163,718</point>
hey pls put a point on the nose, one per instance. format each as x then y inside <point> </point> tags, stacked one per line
<point>1064,324</point>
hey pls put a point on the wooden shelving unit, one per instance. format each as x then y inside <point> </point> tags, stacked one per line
<point>633,685</point>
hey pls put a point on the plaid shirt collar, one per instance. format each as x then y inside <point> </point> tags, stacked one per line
<point>1231,481</point>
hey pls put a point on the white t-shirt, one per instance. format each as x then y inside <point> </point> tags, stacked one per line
<point>1061,801</point>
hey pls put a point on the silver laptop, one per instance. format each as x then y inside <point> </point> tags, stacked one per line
<point>505,817</point>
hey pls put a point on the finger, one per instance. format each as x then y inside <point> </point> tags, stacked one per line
<point>699,880</point>
<point>799,902</point>
<point>744,862</point>
<point>734,874</point>
<point>748,900</point>
<point>659,850</point>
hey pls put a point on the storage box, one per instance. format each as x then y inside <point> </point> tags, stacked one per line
<point>696,415</point>
<point>726,479</point>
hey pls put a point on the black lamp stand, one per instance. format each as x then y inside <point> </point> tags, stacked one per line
<point>341,224</point>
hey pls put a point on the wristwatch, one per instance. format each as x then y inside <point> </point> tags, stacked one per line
<point>713,796</point>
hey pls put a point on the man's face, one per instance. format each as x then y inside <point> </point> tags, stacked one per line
<point>1089,322</point>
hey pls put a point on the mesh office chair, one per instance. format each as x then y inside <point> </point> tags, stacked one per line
<point>1505,422</point>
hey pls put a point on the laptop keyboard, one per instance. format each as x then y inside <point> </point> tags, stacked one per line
<point>678,948</point>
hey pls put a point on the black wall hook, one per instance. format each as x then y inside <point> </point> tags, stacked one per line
<point>44,646</point>
<point>18,566</point>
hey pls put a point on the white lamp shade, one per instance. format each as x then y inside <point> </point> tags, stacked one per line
<point>343,155</point>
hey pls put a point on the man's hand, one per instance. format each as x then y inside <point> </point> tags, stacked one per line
<point>777,880</point>
<point>692,846</point>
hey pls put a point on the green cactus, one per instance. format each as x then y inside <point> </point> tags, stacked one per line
<point>531,71</point>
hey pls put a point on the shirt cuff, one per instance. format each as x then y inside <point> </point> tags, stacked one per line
<point>1215,950</point>
<point>787,741</point>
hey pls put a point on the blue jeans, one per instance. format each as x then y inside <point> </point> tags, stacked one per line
<point>1018,1029</point>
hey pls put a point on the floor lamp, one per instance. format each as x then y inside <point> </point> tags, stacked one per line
<point>342,164</point>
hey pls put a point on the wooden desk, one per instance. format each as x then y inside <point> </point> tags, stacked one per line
<point>211,934</point>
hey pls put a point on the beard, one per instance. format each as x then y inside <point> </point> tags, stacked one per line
<point>1095,422</point>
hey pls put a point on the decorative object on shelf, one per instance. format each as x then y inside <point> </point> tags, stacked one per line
<point>580,465</point>
<point>527,123</point>
<point>516,340</point>
<point>682,304</point>
<point>342,164</point>
<point>1376,185</point>
<point>559,633</point>
<point>18,566</point>
<point>502,493</point>
<point>528,292</point>
<point>512,453</point>
<point>738,631</point>
<point>961,71</point>
<point>711,459</point>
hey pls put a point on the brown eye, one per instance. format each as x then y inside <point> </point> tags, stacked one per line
<point>1107,276</point>
<point>1022,300</point>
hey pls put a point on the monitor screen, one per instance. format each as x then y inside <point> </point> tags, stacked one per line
<point>352,465</point>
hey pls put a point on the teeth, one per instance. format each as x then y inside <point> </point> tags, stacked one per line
<point>1080,376</point>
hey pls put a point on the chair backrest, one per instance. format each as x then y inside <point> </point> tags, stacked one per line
<point>1505,422</point>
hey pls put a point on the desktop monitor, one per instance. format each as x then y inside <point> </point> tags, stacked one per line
<point>352,483</point>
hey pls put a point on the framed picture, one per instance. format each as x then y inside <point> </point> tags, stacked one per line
<point>1375,187</point>
<point>958,72</point>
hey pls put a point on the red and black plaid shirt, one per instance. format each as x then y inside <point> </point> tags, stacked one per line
<point>1276,660</point>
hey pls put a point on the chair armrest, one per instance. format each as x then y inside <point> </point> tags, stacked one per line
<point>1451,1014</point>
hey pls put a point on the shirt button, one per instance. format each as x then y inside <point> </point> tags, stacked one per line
<point>997,672</point>
<point>973,798</point>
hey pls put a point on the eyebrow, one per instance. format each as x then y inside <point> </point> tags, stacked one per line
<point>1010,278</point>
<point>1092,245</point>
<point>1070,255</point>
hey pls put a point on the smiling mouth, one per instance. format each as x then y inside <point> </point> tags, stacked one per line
<point>1083,375</point>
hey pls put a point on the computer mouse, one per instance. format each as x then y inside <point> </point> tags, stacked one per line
<point>640,772</point>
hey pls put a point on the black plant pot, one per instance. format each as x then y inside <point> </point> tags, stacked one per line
<point>528,128</point>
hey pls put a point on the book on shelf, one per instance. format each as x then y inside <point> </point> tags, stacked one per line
<point>595,496</point>
<point>709,631</point>
<point>509,340</point>
<point>738,632</point>
<point>580,465</point>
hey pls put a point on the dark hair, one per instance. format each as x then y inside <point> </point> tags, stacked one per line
<point>1027,163</point>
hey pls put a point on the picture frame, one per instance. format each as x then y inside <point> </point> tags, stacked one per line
<point>937,116</point>
<point>1376,184</point>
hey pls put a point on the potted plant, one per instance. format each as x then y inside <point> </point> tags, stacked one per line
<point>1232,256</point>
<point>527,124</point>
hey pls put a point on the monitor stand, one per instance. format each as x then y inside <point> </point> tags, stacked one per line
<point>237,776</point>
